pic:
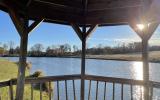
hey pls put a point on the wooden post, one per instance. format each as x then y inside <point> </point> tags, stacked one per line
<point>145,67</point>
<point>23,29</point>
<point>83,35</point>
<point>22,67</point>
<point>83,62</point>
<point>145,35</point>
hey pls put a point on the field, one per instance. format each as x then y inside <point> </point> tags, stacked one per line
<point>154,56</point>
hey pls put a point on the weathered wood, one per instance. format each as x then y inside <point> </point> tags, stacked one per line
<point>22,67</point>
<point>77,30</point>
<point>145,35</point>
<point>131,91</point>
<point>31,91</point>
<point>11,91</point>
<point>108,4</point>
<point>83,62</point>
<point>97,90</point>
<point>41,91</point>
<point>89,90</point>
<point>58,90</point>
<point>50,91</point>
<point>113,92</point>
<point>66,90</point>
<point>17,21</point>
<point>121,91</point>
<point>74,90</point>
<point>105,91</point>
<point>91,30</point>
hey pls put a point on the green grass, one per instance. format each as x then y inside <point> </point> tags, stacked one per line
<point>8,70</point>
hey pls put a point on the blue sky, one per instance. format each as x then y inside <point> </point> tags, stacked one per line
<point>48,34</point>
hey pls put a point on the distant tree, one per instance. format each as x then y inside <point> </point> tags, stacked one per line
<point>75,48</point>
<point>37,49</point>
<point>5,46</point>
<point>11,47</point>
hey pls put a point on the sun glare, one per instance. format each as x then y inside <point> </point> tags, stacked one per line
<point>140,26</point>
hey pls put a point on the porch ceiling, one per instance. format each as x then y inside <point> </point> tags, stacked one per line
<point>82,12</point>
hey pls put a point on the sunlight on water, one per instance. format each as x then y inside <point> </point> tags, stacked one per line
<point>138,75</point>
<point>138,70</point>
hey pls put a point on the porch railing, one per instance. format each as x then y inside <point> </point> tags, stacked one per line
<point>96,87</point>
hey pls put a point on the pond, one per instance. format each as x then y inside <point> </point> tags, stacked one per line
<point>52,66</point>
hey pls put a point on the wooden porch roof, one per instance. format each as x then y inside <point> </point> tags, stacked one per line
<point>82,12</point>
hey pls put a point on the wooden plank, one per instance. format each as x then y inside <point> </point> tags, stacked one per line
<point>115,4</point>
<point>53,78</point>
<point>71,3</point>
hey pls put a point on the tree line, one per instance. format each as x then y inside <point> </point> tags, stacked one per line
<point>38,50</point>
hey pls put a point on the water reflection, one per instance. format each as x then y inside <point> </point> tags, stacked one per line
<point>138,70</point>
<point>138,75</point>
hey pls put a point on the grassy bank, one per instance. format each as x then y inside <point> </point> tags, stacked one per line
<point>9,70</point>
<point>154,56</point>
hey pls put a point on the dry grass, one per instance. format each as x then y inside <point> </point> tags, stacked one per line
<point>154,56</point>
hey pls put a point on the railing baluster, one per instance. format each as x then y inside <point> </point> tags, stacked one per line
<point>40,84</point>
<point>105,91</point>
<point>131,86</point>
<point>151,92</point>
<point>89,91</point>
<point>0,95</point>
<point>74,91</point>
<point>121,91</point>
<point>50,91</point>
<point>113,91</point>
<point>58,90</point>
<point>66,90</point>
<point>141,95</point>
<point>97,90</point>
<point>31,91</point>
<point>11,91</point>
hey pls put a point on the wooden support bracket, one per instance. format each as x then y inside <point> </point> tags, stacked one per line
<point>147,32</point>
<point>80,33</point>
<point>34,25</point>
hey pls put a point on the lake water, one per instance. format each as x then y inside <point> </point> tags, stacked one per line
<point>110,68</point>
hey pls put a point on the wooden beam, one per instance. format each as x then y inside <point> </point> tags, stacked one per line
<point>17,21</point>
<point>91,30</point>
<point>77,30</point>
<point>34,25</point>
<point>112,4</point>
<point>71,3</point>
